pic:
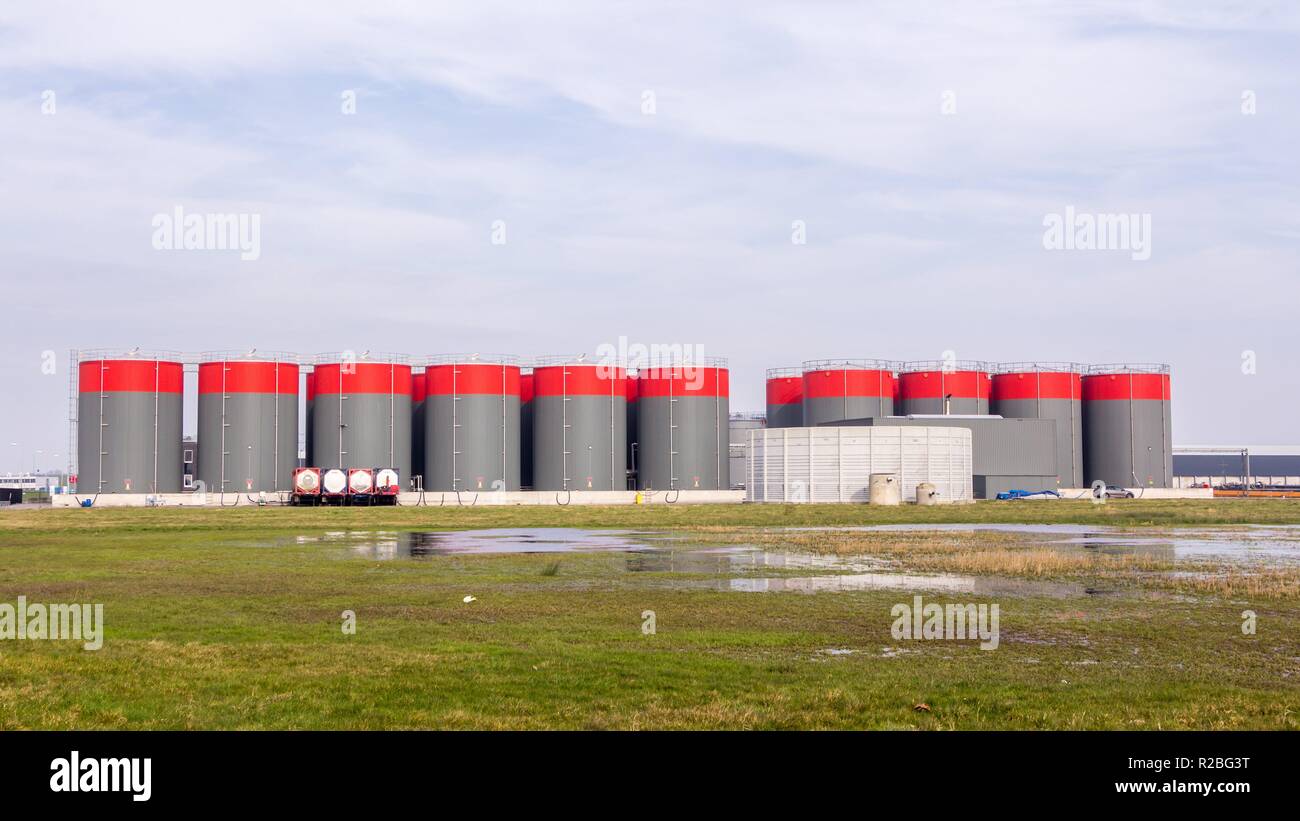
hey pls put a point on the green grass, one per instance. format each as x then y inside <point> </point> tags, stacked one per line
<point>205,633</point>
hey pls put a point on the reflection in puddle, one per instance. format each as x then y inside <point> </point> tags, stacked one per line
<point>1250,543</point>
<point>944,582</point>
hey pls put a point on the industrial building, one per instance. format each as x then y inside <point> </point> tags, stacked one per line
<point>384,424</point>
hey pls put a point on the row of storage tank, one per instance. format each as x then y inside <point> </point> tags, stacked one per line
<point>471,423</point>
<point>1113,422</point>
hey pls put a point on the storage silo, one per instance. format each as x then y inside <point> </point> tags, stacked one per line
<point>248,421</point>
<point>839,389</point>
<point>1127,431</point>
<point>959,388</point>
<point>526,428</point>
<point>309,389</point>
<point>417,422</point>
<point>1046,390</point>
<point>129,411</point>
<point>682,419</point>
<point>362,412</point>
<point>579,425</point>
<point>633,431</point>
<point>471,419</point>
<point>784,397</point>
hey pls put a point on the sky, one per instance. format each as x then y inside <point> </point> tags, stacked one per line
<point>770,182</point>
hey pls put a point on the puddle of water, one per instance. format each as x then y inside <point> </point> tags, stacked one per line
<point>1268,544</point>
<point>393,545</point>
<point>942,582</point>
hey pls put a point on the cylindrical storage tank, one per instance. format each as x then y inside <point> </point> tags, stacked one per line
<point>309,423</point>
<point>1053,390</point>
<point>885,489</point>
<point>417,421</point>
<point>838,389</point>
<point>784,398</point>
<point>579,425</point>
<point>960,388</point>
<point>683,422</point>
<point>927,494</point>
<point>633,429</point>
<point>248,422</point>
<point>362,413</point>
<point>526,428</point>
<point>129,411</point>
<point>471,423</point>
<point>1127,432</point>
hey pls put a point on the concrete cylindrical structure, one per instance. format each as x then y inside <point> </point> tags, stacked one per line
<point>885,489</point>
<point>362,413</point>
<point>738,434</point>
<point>1127,430</point>
<point>683,421</point>
<point>1053,390</point>
<point>784,397</point>
<point>248,422</point>
<point>960,388</point>
<point>129,411</point>
<point>526,428</point>
<point>417,421</point>
<point>579,426</point>
<point>471,419</point>
<point>838,389</point>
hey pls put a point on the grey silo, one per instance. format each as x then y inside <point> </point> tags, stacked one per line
<point>129,416</point>
<point>248,421</point>
<point>784,398</point>
<point>1051,390</point>
<point>471,414</point>
<point>362,413</point>
<point>1127,425</point>
<point>838,389</point>
<point>683,424</point>
<point>937,387</point>
<point>579,411</point>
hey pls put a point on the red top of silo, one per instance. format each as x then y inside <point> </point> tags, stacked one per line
<point>580,380</point>
<point>311,386</point>
<point>835,378</point>
<point>1035,381</point>
<point>784,386</point>
<point>248,377</point>
<point>363,377</point>
<point>1134,382</point>
<point>460,378</point>
<point>935,380</point>
<point>633,388</point>
<point>130,375</point>
<point>684,381</point>
<point>526,387</point>
<point>418,384</point>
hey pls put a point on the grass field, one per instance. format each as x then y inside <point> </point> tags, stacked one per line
<point>216,619</point>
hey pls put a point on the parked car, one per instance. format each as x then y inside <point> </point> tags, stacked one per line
<point>1117,492</point>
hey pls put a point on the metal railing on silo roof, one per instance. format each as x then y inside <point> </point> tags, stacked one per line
<point>144,355</point>
<point>335,357</point>
<point>780,373</point>
<point>1127,367</point>
<point>849,365</point>
<point>947,366</point>
<point>251,355</point>
<point>570,359</point>
<point>471,359</point>
<point>1039,367</point>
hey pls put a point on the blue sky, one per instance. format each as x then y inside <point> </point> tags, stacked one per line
<point>924,228</point>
